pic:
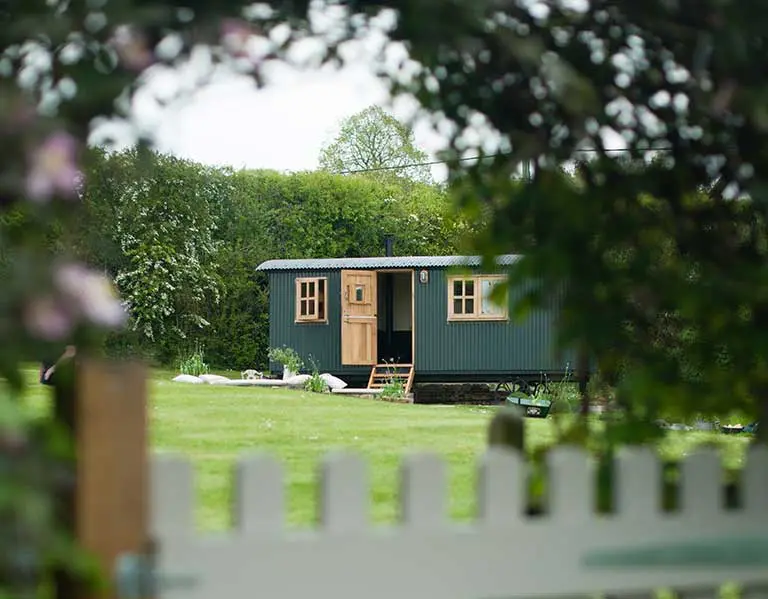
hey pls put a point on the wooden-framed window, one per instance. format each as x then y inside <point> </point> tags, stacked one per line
<point>311,296</point>
<point>469,298</point>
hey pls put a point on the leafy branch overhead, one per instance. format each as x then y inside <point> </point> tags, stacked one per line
<point>662,265</point>
<point>641,247</point>
<point>676,275</point>
<point>375,143</point>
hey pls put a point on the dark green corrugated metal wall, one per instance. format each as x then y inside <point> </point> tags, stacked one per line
<point>441,346</point>
<point>321,341</point>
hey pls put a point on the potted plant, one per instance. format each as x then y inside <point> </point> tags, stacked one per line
<point>290,360</point>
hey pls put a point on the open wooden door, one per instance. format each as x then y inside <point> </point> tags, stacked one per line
<point>359,323</point>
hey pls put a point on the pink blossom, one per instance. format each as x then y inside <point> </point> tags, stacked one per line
<point>132,49</point>
<point>235,34</point>
<point>53,168</point>
<point>92,295</point>
<point>81,295</point>
<point>46,318</point>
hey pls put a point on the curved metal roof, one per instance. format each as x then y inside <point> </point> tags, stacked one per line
<point>381,262</point>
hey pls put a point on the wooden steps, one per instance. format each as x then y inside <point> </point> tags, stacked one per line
<point>382,374</point>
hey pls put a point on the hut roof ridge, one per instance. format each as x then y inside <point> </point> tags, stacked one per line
<point>380,262</point>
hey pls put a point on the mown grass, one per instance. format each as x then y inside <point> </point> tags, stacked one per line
<point>214,425</point>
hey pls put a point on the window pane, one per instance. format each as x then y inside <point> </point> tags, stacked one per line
<point>488,306</point>
<point>359,293</point>
<point>310,308</point>
<point>303,289</point>
<point>303,308</point>
<point>457,306</point>
<point>311,288</point>
<point>458,287</point>
<point>321,310</point>
<point>321,288</point>
<point>469,288</point>
<point>469,306</point>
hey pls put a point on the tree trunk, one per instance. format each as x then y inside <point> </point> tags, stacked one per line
<point>582,373</point>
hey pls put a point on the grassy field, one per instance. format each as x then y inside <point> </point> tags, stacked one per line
<point>214,425</point>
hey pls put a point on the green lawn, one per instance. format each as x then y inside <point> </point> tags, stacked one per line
<point>213,425</point>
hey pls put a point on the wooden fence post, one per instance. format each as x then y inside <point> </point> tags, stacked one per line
<point>106,411</point>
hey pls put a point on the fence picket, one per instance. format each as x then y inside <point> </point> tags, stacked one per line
<point>701,486</point>
<point>570,484</point>
<point>344,499</point>
<point>172,496</point>
<point>502,490</point>
<point>637,484</point>
<point>423,491</point>
<point>258,494</point>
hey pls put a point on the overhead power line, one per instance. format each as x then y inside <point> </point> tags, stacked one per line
<point>468,158</point>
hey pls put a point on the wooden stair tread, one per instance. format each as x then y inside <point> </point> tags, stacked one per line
<point>380,373</point>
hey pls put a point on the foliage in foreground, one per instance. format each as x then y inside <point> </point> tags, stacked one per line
<point>641,251</point>
<point>548,77</point>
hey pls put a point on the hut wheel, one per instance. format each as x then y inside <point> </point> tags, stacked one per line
<point>516,386</point>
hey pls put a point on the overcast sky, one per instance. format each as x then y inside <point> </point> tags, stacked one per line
<point>280,126</point>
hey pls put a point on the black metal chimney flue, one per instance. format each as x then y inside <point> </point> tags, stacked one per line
<point>388,241</point>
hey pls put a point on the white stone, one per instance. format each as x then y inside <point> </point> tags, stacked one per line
<point>188,378</point>
<point>298,380</point>
<point>333,382</point>
<point>254,383</point>
<point>213,379</point>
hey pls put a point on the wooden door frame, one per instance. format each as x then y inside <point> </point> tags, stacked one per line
<point>413,306</point>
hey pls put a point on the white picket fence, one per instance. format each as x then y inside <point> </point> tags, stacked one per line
<point>501,554</point>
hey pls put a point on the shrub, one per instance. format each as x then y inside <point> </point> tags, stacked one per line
<point>288,357</point>
<point>194,363</point>
<point>393,389</point>
<point>564,394</point>
<point>315,384</point>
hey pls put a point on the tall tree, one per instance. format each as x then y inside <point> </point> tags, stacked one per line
<point>150,221</point>
<point>375,143</point>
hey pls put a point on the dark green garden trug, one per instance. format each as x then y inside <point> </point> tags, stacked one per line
<point>534,408</point>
